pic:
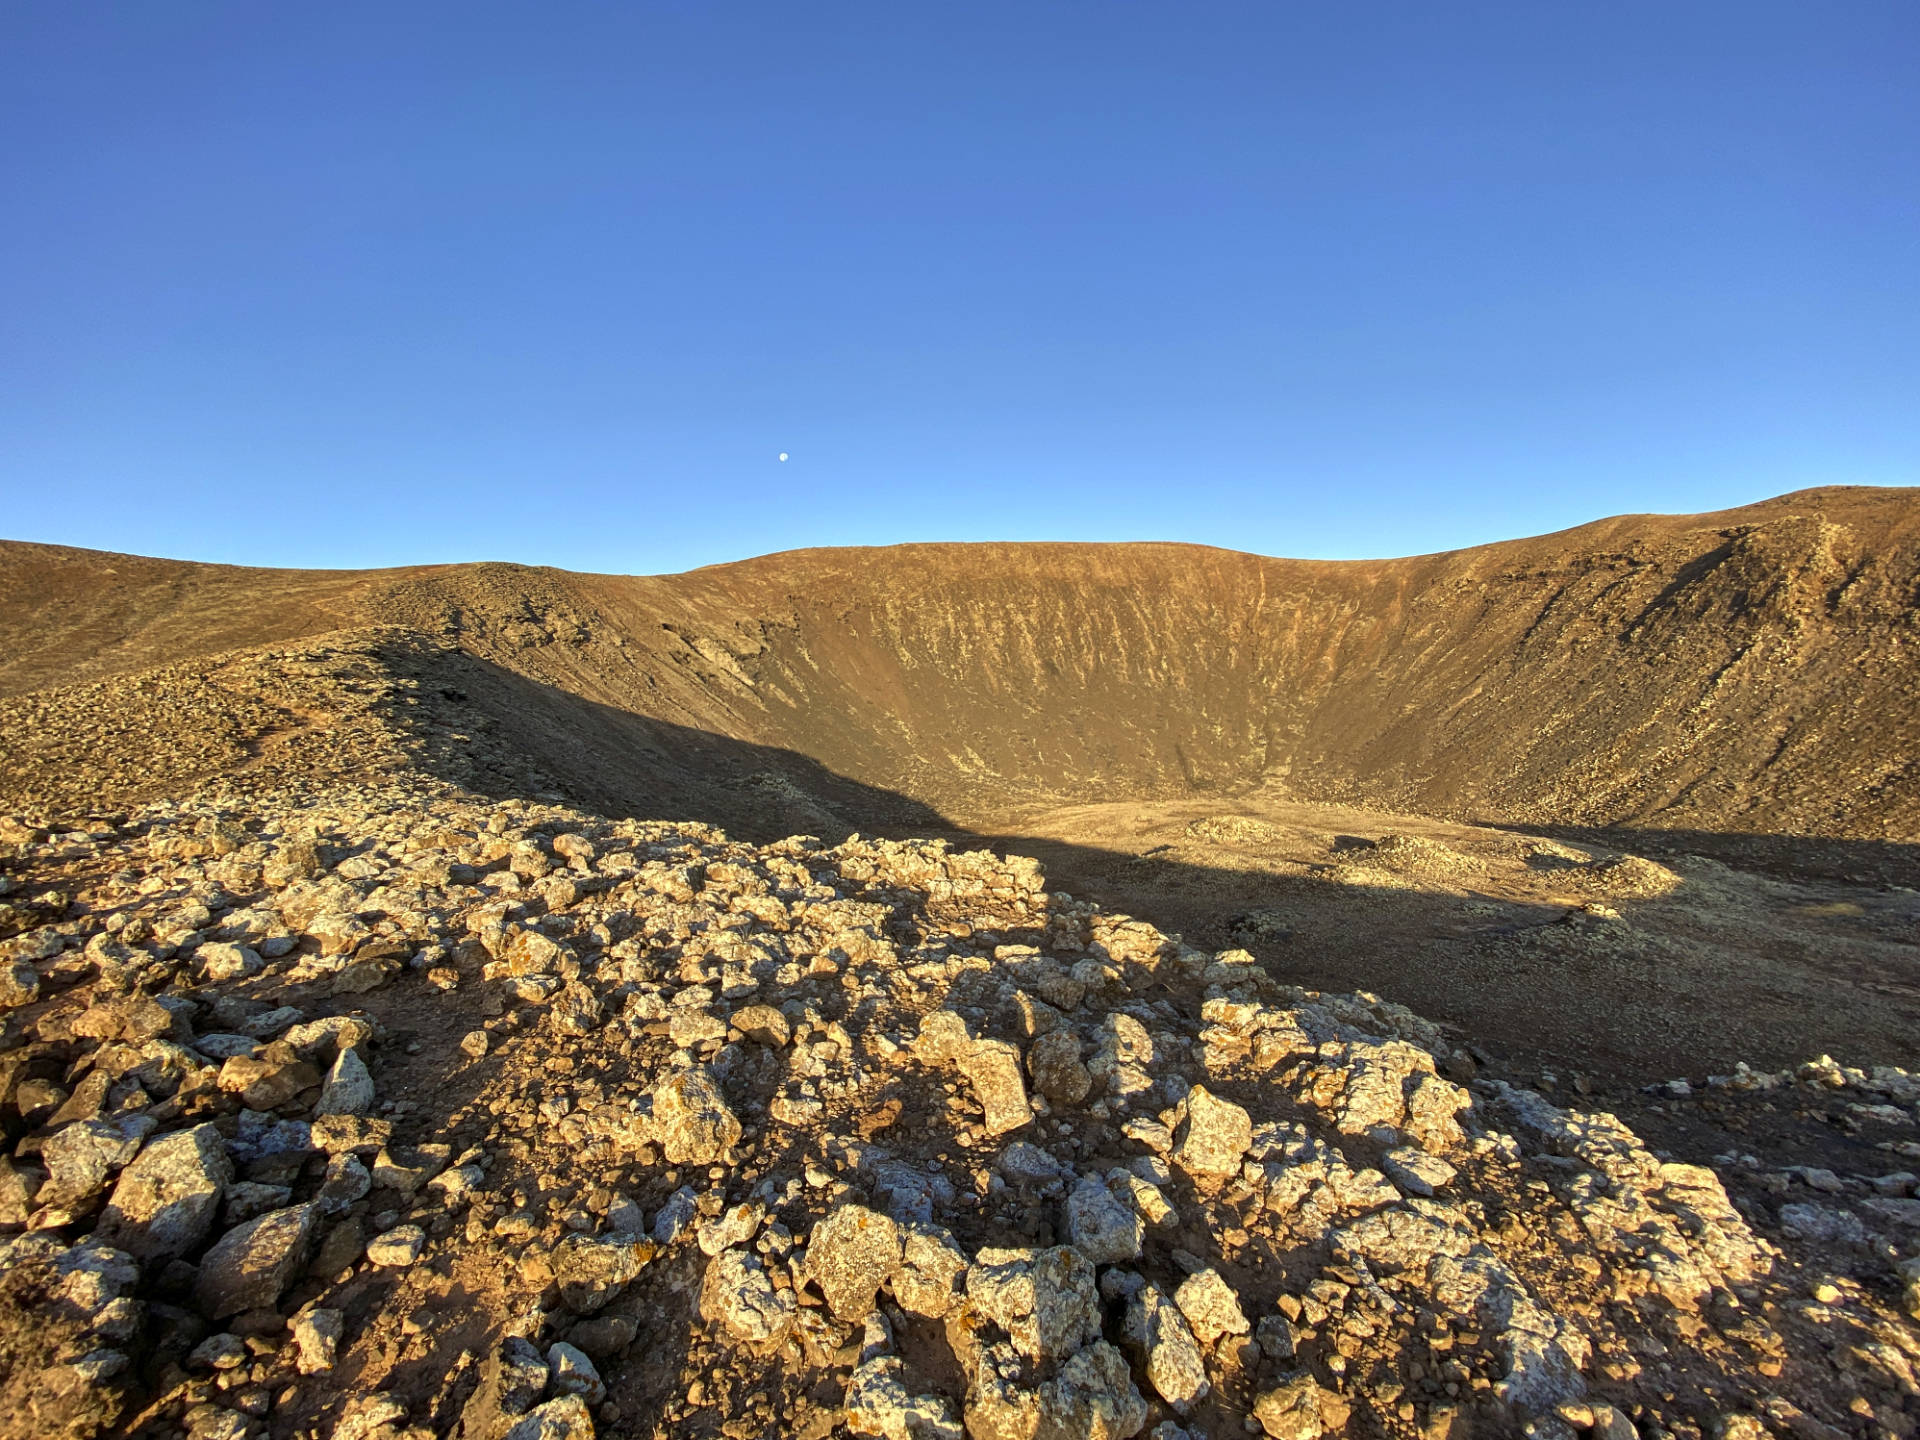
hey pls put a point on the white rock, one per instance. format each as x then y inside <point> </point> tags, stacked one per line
<point>80,1156</point>
<point>993,1068</point>
<point>523,1375</point>
<point>1093,1395</point>
<point>316,1339</point>
<point>734,1226</point>
<point>849,1254</point>
<point>739,1296</point>
<point>1026,1163</point>
<point>221,962</point>
<point>674,1218</point>
<point>1300,1410</point>
<point>1165,1343</point>
<point>218,1352</point>
<point>250,1265</point>
<point>19,984</point>
<point>592,1270</point>
<point>932,1269</point>
<point>398,1247</point>
<point>226,1047</point>
<point>1045,1300</point>
<point>878,1403</point>
<point>1149,1202</point>
<point>1211,1307</point>
<point>692,1118</point>
<point>349,1088</point>
<point>166,1200</point>
<point>625,1217</point>
<point>1213,1137</point>
<point>1417,1172</point>
<point>564,1419</point>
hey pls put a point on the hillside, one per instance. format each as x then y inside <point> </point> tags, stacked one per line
<point>1744,672</point>
<point>1252,1003</point>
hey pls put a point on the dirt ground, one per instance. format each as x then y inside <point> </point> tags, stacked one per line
<point>1548,958</point>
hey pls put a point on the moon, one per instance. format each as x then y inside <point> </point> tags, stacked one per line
<point>783,454</point>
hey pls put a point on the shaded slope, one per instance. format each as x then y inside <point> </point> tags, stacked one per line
<point>1744,671</point>
<point>386,703</point>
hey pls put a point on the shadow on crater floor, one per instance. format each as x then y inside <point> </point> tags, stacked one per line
<point>1770,962</point>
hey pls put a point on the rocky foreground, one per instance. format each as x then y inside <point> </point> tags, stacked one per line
<point>398,1113</point>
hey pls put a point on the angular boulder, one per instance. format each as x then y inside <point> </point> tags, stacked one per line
<point>1210,1306</point>
<point>1213,1138</point>
<point>166,1200</point>
<point>849,1255</point>
<point>349,1087</point>
<point>1045,1300</point>
<point>250,1265</point>
<point>739,1296</point>
<point>878,1403</point>
<point>1053,1060</point>
<point>1168,1352</point>
<point>564,1419</point>
<point>1100,1226</point>
<point>593,1269</point>
<point>932,1270</point>
<point>1300,1410</point>
<point>692,1120</point>
<point>80,1156</point>
<point>993,1068</point>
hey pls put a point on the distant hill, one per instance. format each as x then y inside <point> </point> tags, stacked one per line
<point>1748,671</point>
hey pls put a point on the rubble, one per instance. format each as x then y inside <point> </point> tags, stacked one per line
<point>878,1134</point>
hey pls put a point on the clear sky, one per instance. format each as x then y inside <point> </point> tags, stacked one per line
<point>377,283</point>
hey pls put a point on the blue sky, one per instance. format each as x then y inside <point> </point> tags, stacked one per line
<point>374,284</point>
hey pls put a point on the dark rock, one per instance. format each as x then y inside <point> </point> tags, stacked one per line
<point>166,1200</point>
<point>250,1265</point>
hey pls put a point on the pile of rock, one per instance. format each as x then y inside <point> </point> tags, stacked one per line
<point>399,1113</point>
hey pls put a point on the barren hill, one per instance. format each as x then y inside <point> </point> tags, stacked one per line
<point>1302,1038</point>
<point>1745,672</point>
